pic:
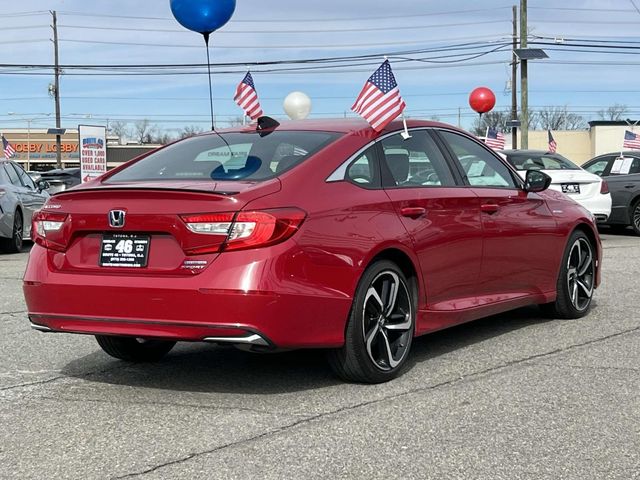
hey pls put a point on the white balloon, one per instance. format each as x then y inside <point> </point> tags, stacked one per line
<point>297,105</point>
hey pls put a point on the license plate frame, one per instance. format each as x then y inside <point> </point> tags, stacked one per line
<point>124,250</point>
<point>570,188</point>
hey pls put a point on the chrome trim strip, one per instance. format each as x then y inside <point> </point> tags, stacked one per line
<point>40,328</point>
<point>254,339</point>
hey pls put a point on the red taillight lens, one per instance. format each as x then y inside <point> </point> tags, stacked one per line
<point>247,229</point>
<point>48,229</point>
<point>604,187</point>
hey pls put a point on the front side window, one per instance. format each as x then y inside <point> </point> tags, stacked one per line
<point>416,162</point>
<point>228,157</point>
<point>481,168</point>
<point>26,179</point>
<point>13,175</point>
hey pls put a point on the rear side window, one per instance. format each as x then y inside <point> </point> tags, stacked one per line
<point>524,161</point>
<point>599,166</point>
<point>227,157</point>
<point>481,168</point>
<point>625,166</point>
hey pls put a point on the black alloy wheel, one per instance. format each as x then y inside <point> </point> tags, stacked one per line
<point>635,217</point>
<point>576,282</point>
<point>380,329</point>
<point>14,244</point>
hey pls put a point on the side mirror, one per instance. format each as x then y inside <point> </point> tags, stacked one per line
<point>43,185</point>
<point>536,181</point>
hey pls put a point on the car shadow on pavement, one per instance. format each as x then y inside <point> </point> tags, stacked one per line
<point>199,367</point>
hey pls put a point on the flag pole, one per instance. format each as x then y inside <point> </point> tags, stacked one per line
<point>206,42</point>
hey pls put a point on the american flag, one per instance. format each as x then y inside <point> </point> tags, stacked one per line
<point>379,101</point>
<point>553,146</point>
<point>494,139</point>
<point>247,97</point>
<point>631,140</point>
<point>9,151</point>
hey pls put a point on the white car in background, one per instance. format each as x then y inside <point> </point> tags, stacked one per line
<point>589,190</point>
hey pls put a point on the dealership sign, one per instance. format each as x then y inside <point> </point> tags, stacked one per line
<point>93,151</point>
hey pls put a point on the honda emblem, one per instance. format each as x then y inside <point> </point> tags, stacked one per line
<point>116,218</point>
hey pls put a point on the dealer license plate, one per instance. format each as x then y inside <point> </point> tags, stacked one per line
<point>124,250</point>
<point>570,188</point>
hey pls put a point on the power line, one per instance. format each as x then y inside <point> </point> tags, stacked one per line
<point>297,20</point>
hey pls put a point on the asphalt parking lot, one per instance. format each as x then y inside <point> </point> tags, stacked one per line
<point>509,397</point>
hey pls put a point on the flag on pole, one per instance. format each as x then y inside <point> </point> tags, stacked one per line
<point>247,98</point>
<point>553,146</point>
<point>9,151</point>
<point>631,140</point>
<point>379,101</point>
<point>494,139</point>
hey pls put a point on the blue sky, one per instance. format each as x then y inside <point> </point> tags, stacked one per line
<point>286,29</point>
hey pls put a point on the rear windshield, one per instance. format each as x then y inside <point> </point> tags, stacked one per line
<point>229,156</point>
<point>524,161</point>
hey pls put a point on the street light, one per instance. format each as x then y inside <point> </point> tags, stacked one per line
<point>28,120</point>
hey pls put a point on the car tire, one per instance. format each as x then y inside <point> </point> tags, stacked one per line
<point>133,349</point>
<point>576,280</point>
<point>635,217</point>
<point>14,244</point>
<point>380,328</point>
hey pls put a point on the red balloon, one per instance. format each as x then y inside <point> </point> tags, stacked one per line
<point>482,100</point>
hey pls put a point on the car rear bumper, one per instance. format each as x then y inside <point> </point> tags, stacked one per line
<point>221,302</point>
<point>599,206</point>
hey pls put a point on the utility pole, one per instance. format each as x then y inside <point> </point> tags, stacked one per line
<point>57,89</point>
<point>524,87</point>
<point>514,80</point>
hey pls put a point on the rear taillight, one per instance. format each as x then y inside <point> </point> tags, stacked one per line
<point>48,229</point>
<point>604,187</point>
<point>247,229</point>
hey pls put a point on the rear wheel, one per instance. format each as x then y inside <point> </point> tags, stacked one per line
<point>576,282</point>
<point>14,244</point>
<point>380,329</point>
<point>134,349</point>
<point>635,217</point>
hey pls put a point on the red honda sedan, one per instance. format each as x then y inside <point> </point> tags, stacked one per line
<point>308,234</point>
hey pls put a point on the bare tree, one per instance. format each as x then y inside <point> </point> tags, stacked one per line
<point>235,121</point>
<point>190,131</point>
<point>121,130</point>
<point>615,112</point>
<point>144,131</point>
<point>495,118</point>
<point>161,137</point>
<point>559,118</point>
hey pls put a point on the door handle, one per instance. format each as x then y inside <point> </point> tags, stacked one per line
<point>489,208</point>
<point>630,186</point>
<point>413,212</point>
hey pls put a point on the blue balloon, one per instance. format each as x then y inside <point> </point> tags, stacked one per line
<point>203,16</point>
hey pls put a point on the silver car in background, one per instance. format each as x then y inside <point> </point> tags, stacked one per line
<point>20,197</point>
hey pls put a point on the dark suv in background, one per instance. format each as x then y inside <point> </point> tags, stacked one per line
<point>621,170</point>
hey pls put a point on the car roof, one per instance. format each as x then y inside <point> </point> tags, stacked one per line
<point>338,125</point>
<point>630,153</point>
<point>528,152</point>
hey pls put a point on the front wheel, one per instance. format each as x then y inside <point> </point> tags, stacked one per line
<point>380,327</point>
<point>576,281</point>
<point>14,244</point>
<point>635,217</point>
<point>134,349</point>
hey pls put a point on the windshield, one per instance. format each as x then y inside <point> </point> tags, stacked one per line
<point>244,156</point>
<point>540,161</point>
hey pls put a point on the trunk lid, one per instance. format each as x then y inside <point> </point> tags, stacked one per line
<point>152,220</point>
